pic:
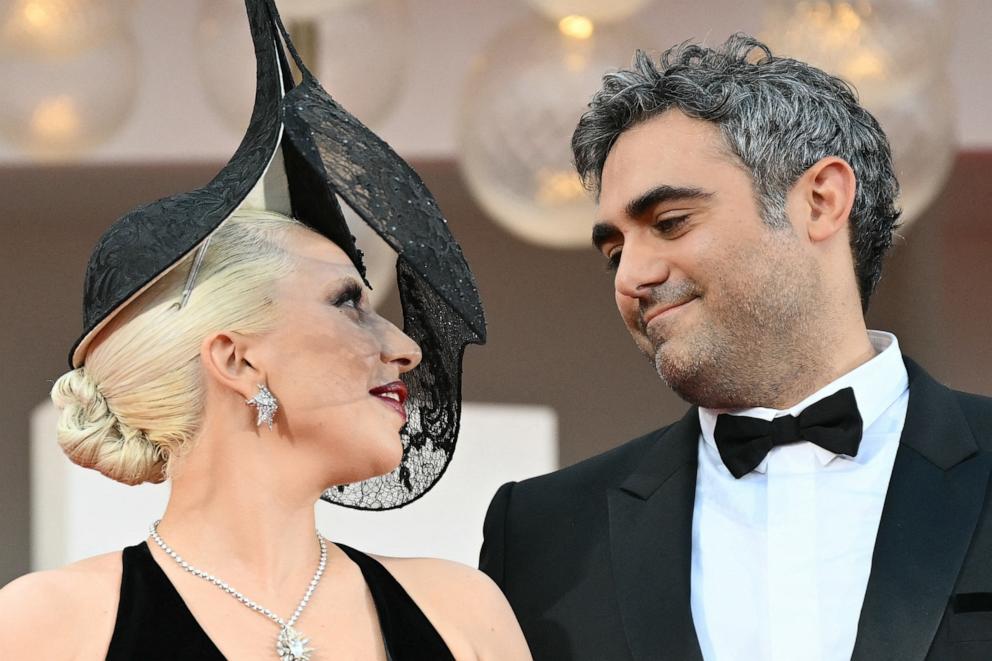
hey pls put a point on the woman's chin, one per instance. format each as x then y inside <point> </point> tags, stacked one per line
<point>387,465</point>
<point>384,461</point>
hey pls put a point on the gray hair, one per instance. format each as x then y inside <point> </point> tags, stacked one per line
<point>778,116</point>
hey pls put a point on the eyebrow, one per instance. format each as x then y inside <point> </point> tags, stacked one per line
<point>659,194</point>
<point>604,231</point>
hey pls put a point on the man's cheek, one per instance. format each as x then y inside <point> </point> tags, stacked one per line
<point>631,321</point>
<point>628,308</point>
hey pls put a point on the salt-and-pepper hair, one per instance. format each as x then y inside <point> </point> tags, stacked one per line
<point>137,402</point>
<point>777,115</point>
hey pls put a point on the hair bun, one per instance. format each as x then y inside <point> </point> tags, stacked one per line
<point>92,435</point>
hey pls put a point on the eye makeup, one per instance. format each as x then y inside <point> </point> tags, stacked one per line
<point>351,295</point>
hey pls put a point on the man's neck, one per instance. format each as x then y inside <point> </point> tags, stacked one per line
<point>840,358</point>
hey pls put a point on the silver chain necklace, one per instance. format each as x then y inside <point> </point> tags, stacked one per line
<point>291,645</point>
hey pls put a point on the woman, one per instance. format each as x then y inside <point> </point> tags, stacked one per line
<point>232,350</point>
<point>242,496</point>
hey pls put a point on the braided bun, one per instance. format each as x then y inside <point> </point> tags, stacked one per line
<point>92,435</point>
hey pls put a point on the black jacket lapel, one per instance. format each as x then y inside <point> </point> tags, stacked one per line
<point>934,499</point>
<point>651,546</point>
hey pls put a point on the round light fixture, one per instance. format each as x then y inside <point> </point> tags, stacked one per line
<point>69,69</point>
<point>519,108</point>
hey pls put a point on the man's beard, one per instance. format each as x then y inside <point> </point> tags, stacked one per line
<point>753,346</point>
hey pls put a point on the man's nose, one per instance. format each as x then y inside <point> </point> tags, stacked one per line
<point>641,269</point>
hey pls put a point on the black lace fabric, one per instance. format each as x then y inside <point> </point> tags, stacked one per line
<point>434,405</point>
<point>442,311</point>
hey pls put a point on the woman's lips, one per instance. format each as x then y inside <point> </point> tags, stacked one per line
<point>393,395</point>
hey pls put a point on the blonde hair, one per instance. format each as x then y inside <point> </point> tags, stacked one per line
<point>137,402</point>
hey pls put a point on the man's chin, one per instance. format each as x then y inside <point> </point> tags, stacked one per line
<point>684,373</point>
<point>671,364</point>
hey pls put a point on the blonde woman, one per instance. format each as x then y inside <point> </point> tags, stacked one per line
<point>232,350</point>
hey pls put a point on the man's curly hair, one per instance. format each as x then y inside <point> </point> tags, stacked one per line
<point>778,116</point>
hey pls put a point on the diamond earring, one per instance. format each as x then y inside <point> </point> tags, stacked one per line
<point>267,405</point>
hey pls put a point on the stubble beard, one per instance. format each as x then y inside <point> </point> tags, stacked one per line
<point>758,350</point>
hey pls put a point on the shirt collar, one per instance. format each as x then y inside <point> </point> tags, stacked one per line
<point>877,383</point>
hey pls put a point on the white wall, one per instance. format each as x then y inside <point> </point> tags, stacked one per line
<point>173,122</point>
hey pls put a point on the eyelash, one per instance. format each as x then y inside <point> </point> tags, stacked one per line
<point>664,226</point>
<point>352,294</point>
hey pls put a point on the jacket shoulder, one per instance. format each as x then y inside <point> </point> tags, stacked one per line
<point>977,410</point>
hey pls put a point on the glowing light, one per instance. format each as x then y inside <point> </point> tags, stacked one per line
<point>576,62</point>
<point>37,15</point>
<point>577,27</point>
<point>847,17</point>
<point>56,119</point>
<point>556,187</point>
<point>50,26</point>
<point>865,65</point>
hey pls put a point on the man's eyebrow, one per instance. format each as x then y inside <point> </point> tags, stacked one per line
<point>603,232</point>
<point>642,204</point>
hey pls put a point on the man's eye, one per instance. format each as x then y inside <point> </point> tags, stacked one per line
<point>670,225</point>
<point>613,262</point>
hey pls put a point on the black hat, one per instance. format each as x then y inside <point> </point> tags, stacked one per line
<point>300,153</point>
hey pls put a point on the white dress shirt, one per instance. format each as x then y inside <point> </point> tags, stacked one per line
<point>781,557</point>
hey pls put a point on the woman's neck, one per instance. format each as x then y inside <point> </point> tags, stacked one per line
<point>233,504</point>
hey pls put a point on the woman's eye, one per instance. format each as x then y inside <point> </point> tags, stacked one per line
<point>349,298</point>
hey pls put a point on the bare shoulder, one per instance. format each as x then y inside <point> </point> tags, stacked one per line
<point>434,577</point>
<point>79,601</point>
<point>468,609</point>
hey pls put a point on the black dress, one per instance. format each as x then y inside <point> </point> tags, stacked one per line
<point>154,624</point>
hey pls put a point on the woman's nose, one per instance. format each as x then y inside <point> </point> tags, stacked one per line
<point>399,349</point>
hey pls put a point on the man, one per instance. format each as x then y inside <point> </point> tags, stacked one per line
<point>745,204</point>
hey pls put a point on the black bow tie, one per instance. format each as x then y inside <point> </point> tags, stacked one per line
<point>833,423</point>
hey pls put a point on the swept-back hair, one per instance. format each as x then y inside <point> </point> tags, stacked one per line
<point>137,403</point>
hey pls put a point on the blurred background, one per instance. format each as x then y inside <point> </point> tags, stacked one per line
<point>110,103</point>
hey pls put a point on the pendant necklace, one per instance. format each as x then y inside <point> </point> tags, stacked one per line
<point>291,645</point>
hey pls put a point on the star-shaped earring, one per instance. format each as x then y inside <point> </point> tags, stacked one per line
<point>267,405</point>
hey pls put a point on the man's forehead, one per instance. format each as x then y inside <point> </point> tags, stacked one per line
<point>668,150</point>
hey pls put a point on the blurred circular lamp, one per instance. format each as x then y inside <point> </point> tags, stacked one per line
<point>69,68</point>
<point>519,107</point>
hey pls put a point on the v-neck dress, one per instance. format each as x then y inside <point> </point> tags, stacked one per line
<point>154,624</point>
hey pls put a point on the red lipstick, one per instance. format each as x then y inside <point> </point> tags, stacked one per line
<point>392,394</point>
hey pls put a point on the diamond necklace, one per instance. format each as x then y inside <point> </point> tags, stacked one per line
<point>291,644</point>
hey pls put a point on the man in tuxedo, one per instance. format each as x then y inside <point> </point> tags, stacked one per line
<point>824,498</point>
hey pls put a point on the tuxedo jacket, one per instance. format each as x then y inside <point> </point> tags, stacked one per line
<point>595,558</point>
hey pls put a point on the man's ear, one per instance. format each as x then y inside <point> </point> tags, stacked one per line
<point>224,362</point>
<point>827,194</point>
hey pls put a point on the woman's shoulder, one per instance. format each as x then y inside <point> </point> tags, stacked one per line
<point>436,577</point>
<point>462,602</point>
<point>78,602</point>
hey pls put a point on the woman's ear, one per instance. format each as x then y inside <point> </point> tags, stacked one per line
<point>828,191</point>
<point>224,362</point>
